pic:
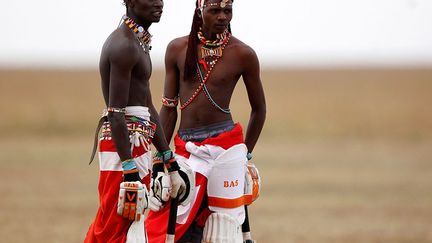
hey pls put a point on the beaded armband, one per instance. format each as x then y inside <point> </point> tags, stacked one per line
<point>170,102</point>
<point>116,109</point>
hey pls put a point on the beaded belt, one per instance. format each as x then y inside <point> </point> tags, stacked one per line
<point>140,132</point>
<point>146,130</point>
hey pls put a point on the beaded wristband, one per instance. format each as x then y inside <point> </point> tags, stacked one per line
<point>129,167</point>
<point>129,164</point>
<point>164,156</point>
<point>249,155</point>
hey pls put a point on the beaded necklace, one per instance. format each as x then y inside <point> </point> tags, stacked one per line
<point>220,39</point>
<point>143,36</point>
<point>206,77</point>
<point>212,48</point>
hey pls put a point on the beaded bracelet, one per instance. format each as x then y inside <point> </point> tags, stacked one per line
<point>168,159</point>
<point>116,109</point>
<point>129,166</point>
<point>170,102</point>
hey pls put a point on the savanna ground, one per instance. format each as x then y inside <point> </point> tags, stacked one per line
<point>345,156</point>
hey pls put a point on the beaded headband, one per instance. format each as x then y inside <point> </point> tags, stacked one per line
<point>222,4</point>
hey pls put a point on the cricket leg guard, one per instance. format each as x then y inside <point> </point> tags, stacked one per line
<point>222,228</point>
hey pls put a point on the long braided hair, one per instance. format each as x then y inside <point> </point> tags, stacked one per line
<point>191,54</point>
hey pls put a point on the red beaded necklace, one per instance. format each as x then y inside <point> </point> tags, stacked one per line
<point>206,77</point>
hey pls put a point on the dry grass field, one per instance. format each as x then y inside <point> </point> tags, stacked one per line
<point>345,156</point>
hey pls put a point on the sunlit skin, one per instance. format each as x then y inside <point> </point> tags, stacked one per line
<point>215,19</point>
<point>239,60</point>
<point>125,70</point>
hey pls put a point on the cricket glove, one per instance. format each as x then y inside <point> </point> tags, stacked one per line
<point>160,187</point>
<point>132,200</point>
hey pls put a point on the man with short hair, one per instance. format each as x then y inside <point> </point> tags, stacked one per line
<point>129,125</point>
<point>202,70</point>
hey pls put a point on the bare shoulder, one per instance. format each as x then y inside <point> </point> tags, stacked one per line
<point>121,47</point>
<point>242,50</point>
<point>178,44</point>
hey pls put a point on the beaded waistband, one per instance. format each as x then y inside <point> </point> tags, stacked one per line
<point>144,128</point>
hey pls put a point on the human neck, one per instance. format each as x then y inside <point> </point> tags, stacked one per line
<point>138,20</point>
<point>208,34</point>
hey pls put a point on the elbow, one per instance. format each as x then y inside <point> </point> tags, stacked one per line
<point>115,118</point>
<point>260,111</point>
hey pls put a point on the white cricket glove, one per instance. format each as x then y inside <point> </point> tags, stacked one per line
<point>132,200</point>
<point>183,183</point>
<point>160,187</point>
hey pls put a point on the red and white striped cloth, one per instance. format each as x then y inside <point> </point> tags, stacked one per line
<point>108,226</point>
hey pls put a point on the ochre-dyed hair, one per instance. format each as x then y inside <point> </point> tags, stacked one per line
<point>191,53</point>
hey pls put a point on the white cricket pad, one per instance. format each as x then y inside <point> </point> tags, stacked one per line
<point>222,228</point>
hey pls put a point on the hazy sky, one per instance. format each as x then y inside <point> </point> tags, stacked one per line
<point>282,32</point>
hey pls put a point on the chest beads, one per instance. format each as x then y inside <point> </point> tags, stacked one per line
<point>211,50</point>
<point>208,60</point>
<point>143,36</point>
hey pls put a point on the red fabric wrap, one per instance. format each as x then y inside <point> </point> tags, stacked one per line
<point>108,226</point>
<point>224,140</point>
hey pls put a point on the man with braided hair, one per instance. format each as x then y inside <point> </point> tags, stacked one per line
<point>202,70</point>
<point>129,124</point>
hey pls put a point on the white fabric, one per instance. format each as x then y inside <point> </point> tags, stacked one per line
<point>219,165</point>
<point>183,210</point>
<point>222,228</point>
<point>110,161</point>
<point>140,111</point>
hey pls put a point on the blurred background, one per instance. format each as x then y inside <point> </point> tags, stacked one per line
<point>345,155</point>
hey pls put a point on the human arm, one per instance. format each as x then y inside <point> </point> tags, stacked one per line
<point>180,183</point>
<point>255,91</point>
<point>168,114</point>
<point>122,57</point>
<point>132,197</point>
